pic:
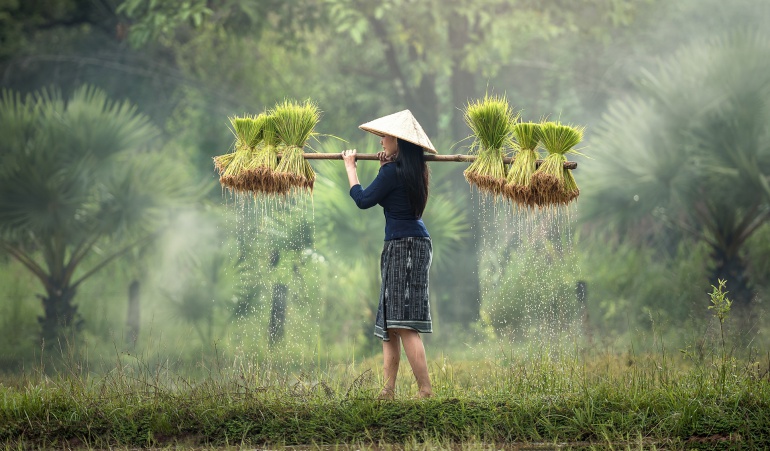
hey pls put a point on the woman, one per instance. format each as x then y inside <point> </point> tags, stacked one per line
<point>401,187</point>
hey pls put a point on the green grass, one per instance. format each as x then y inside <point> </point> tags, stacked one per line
<point>614,401</point>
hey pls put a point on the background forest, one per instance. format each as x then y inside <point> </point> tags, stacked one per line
<point>112,218</point>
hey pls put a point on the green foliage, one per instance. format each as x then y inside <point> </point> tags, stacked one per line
<point>166,20</point>
<point>628,285</point>
<point>689,154</point>
<point>431,46</point>
<point>161,19</point>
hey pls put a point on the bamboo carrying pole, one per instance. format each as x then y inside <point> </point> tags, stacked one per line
<point>460,158</point>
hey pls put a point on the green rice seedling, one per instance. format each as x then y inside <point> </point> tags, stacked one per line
<point>268,158</point>
<point>222,161</point>
<point>294,125</point>
<point>491,121</point>
<point>551,183</point>
<point>518,188</point>
<point>247,131</point>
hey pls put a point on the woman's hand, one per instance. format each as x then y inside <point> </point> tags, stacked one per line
<point>384,158</point>
<point>349,156</point>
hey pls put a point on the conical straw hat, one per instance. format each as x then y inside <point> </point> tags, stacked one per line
<point>401,125</point>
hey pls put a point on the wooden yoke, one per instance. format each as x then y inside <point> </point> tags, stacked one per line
<point>460,158</point>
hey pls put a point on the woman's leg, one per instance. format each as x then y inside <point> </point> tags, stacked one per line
<point>391,354</point>
<point>415,352</point>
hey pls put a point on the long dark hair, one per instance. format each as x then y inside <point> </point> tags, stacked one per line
<point>413,172</point>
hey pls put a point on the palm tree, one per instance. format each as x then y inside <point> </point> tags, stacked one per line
<point>78,189</point>
<point>692,153</point>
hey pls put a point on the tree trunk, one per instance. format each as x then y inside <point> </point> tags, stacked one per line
<point>278,305</point>
<point>581,291</point>
<point>277,314</point>
<point>463,89</point>
<point>426,105</point>
<point>60,315</point>
<point>457,289</point>
<point>462,83</point>
<point>133,316</point>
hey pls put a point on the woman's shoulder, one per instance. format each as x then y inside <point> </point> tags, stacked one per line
<point>388,168</point>
<point>388,176</point>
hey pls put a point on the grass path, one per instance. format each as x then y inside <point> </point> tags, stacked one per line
<point>613,402</point>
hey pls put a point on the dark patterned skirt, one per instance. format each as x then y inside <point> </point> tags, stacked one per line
<point>405,264</point>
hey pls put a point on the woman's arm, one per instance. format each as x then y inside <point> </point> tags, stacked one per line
<point>349,156</point>
<point>380,187</point>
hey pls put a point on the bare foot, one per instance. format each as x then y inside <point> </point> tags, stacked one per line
<point>387,394</point>
<point>424,394</point>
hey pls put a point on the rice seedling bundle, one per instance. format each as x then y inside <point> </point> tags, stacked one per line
<point>247,131</point>
<point>551,182</point>
<point>491,120</point>
<point>518,188</point>
<point>260,170</point>
<point>294,125</point>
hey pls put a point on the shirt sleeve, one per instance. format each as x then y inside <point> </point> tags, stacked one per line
<point>377,191</point>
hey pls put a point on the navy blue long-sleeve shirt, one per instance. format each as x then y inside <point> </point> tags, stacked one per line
<point>388,191</point>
